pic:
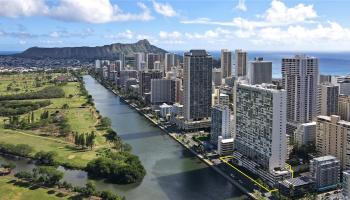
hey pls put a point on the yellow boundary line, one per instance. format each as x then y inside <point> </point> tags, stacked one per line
<point>245,175</point>
<point>290,169</point>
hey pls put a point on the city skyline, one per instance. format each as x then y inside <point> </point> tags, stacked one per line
<point>271,25</point>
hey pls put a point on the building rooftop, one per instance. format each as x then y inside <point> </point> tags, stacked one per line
<point>164,105</point>
<point>301,56</point>
<point>325,158</point>
<point>309,124</point>
<point>228,140</point>
<point>197,52</point>
<point>335,117</point>
<point>298,181</point>
<point>346,172</point>
<point>264,86</point>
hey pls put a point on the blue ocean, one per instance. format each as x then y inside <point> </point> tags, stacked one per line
<point>334,63</point>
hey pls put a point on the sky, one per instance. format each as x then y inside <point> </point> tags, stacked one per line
<point>262,25</point>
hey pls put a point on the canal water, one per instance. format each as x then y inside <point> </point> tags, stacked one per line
<point>172,171</point>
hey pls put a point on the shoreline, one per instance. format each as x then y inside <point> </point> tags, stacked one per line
<point>200,157</point>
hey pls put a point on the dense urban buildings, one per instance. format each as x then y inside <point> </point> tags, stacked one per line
<point>259,71</point>
<point>265,124</point>
<point>344,107</point>
<point>151,59</point>
<point>328,99</point>
<point>325,171</point>
<point>145,78</point>
<point>140,61</point>
<point>344,84</point>
<point>220,123</point>
<point>333,138</point>
<point>169,61</point>
<point>261,124</point>
<point>197,81</point>
<point>217,77</point>
<point>226,63</point>
<point>346,184</point>
<point>163,91</point>
<point>305,134</point>
<point>241,63</point>
<point>300,80</point>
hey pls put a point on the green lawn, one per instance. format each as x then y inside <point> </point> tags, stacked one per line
<point>81,120</point>
<point>23,83</point>
<point>66,151</point>
<point>10,191</point>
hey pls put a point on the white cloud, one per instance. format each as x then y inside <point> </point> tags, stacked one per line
<point>97,11</point>
<point>170,35</point>
<point>54,34</point>
<point>125,35</point>
<point>164,9</point>
<point>331,32</point>
<point>208,36</point>
<point>17,8</point>
<point>91,11</point>
<point>241,5</point>
<point>277,15</point>
<point>65,33</point>
<point>22,42</point>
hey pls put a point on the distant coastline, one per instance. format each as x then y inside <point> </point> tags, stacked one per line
<point>6,53</point>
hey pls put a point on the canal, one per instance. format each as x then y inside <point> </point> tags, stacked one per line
<point>173,172</point>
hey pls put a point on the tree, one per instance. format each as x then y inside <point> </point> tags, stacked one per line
<point>65,106</point>
<point>105,122</point>
<point>24,175</point>
<point>46,158</point>
<point>76,139</point>
<point>10,166</point>
<point>107,195</point>
<point>48,175</point>
<point>82,140</point>
<point>89,190</point>
<point>90,139</point>
<point>32,118</point>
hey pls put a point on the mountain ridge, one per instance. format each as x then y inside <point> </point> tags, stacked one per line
<point>111,51</point>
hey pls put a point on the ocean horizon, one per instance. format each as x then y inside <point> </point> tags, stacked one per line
<point>330,63</point>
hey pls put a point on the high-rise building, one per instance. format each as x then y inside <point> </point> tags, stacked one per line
<point>151,59</point>
<point>325,78</point>
<point>305,134</point>
<point>125,75</point>
<point>121,57</point>
<point>145,80</point>
<point>163,91</point>
<point>333,138</point>
<point>328,99</point>
<point>178,90</point>
<point>325,172</point>
<point>226,63</point>
<point>169,61</point>
<point>224,99</point>
<point>241,63</point>
<point>139,59</point>
<point>259,71</point>
<point>300,79</point>
<point>346,184</point>
<point>217,77</point>
<point>220,123</point>
<point>157,66</point>
<point>343,82</point>
<point>197,84</point>
<point>260,124</point>
<point>344,107</point>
